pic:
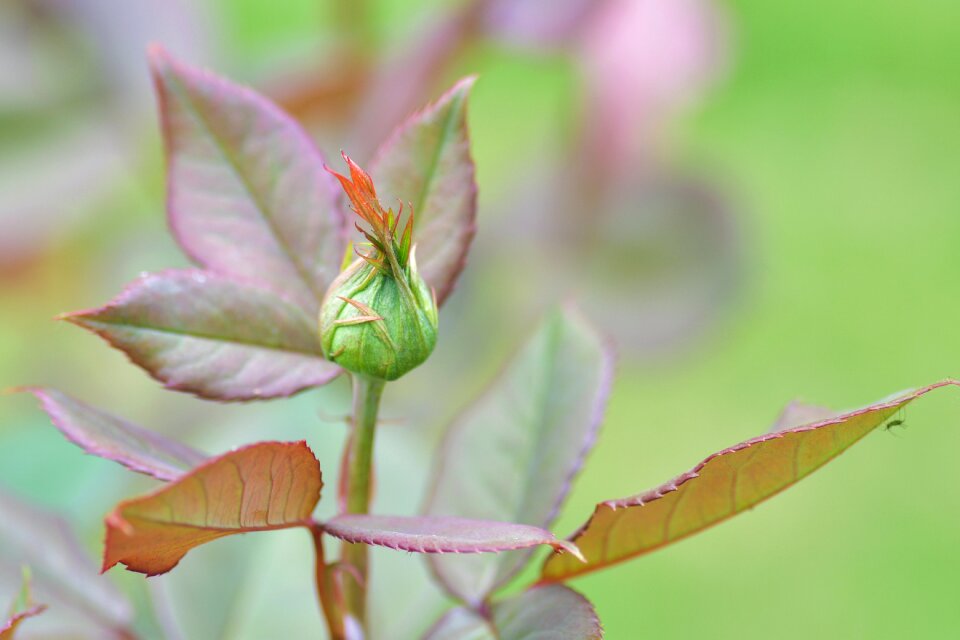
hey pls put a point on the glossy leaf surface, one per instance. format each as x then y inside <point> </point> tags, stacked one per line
<point>723,485</point>
<point>46,543</point>
<point>212,335</point>
<point>426,162</point>
<point>247,194</point>
<point>427,534</point>
<point>106,436</point>
<point>513,454</point>
<point>262,487</point>
<point>552,611</point>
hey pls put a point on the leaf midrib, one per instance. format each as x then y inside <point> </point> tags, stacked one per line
<point>223,530</point>
<point>203,336</point>
<point>431,173</point>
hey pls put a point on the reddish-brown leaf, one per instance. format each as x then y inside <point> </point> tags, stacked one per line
<point>262,487</point>
<point>723,485</point>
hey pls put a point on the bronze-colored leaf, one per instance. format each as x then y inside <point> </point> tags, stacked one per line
<point>262,487</point>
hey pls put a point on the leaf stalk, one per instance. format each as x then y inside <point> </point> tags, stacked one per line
<point>326,588</point>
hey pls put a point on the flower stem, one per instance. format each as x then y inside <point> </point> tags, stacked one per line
<point>359,460</point>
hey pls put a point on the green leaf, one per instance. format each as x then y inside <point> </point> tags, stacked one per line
<point>726,483</point>
<point>247,194</point>
<point>554,611</point>
<point>512,455</point>
<point>426,162</point>
<point>262,487</point>
<point>212,335</point>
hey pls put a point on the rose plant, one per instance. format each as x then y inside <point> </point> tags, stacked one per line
<point>291,290</point>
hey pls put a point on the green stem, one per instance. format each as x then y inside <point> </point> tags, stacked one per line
<point>366,403</point>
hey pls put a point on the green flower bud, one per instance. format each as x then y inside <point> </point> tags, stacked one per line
<point>379,317</point>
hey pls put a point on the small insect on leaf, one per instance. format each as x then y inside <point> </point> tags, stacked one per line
<point>892,424</point>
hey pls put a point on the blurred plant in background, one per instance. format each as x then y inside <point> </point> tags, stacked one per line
<point>579,107</point>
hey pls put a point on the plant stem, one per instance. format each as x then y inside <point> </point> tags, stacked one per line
<point>366,404</point>
<point>326,590</point>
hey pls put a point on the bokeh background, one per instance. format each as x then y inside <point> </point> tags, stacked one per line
<point>759,201</point>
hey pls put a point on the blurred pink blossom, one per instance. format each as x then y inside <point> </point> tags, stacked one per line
<point>642,61</point>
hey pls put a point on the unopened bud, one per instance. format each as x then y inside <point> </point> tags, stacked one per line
<point>379,317</point>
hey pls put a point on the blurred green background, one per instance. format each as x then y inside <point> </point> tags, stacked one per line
<point>830,131</point>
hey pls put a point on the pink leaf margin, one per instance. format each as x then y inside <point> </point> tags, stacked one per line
<point>386,531</point>
<point>598,410</point>
<point>129,291</point>
<point>639,500</point>
<point>463,85</point>
<point>159,60</point>
<point>185,454</point>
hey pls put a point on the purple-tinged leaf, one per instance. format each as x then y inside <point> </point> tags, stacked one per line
<point>552,611</point>
<point>262,487</point>
<point>513,454</point>
<point>213,335</point>
<point>426,534</point>
<point>246,191</point>
<point>525,23</point>
<point>107,436</point>
<point>723,485</point>
<point>62,570</point>
<point>426,162</point>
